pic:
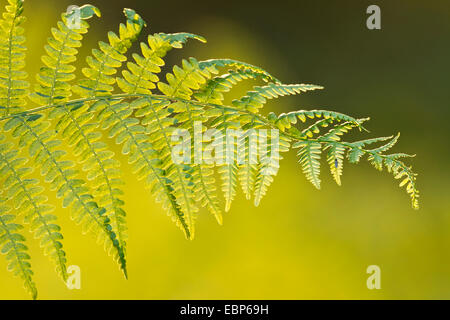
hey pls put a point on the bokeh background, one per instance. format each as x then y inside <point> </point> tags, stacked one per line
<point>300,243</point>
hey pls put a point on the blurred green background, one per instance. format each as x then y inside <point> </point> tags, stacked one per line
<point>300,243</point>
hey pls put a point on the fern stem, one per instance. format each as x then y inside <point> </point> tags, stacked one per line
<point>118,97</point>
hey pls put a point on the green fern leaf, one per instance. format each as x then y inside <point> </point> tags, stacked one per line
<point>309,159</point>
<point>61,50</point>
<point>228,174</point>
<point>213,90</point>
<point>103,170</point>
<point>141,74</point>
<point>146,125</point>
<point>33,133</point>
<point>103,63</point>
<point>27,197</point>
<point>213,64</point>
<point>255,100</point>
<point>13,87</point>
<point>355,153</point>
<point>11,242</point>
<point>286,120</point>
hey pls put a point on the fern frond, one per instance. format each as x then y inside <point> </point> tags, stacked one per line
<point>141,74</point>
<point>336,133</point>
<point>269,163</point>
<point>13,86</point>
<point>228,173</point>
<point>53,79</point>
<point>401,171</point>
<point>145,161</point>
<point>285,121</point>
<point>34,135</point>
<point>335,159</point>
<point>336,151</point>
<point>12,245</point>
<point>103,63</point>
<point>390,161</point>
<point>146,125</point>
<point>248,170</point>
<point>309,159</point>
<point>185,79</point>
<point>186,117</point>
<point>27,197</point>
<point>203,175</point>
<point>386,146</point>
<point>213,90</point>
<point>254,100</point>
<point>213,64</point>
<point>205,190</point>
<point>355,153</point>
<point>103,170</point>
<point>54,88</point>
<point>159,128</point>
<point>181,84</point>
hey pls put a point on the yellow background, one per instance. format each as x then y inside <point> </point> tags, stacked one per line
<point>300,243</point>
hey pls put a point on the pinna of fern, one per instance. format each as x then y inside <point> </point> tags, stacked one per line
<point>62,136</point>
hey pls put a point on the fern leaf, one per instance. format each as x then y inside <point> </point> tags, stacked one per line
<point>336,151</point>
<point>335,159</point>
<point>145,161</point>
<point>248,170</point>
<point>338,131</point>
<point>228,171</point>
<point>140,78</point>
<point>408,180</point>
<point>213,90</point>
<point>213,64</point>
<point>185,79</point>
<point>405,174</point>
<point>160,128</point>
<point>13,87</point>
<point>72,123</point>
<point>355,153</point>
<point>255,100</point>
<point>103,63</point>
<point>228,174</point>
<point>181,84</point>
<point>141,74</point>
<point>309,159</point>
<point>387,146</point>
<point>34,134</point>
<point>53,79</point>
<point>12,245</point>
<point>203,175</point>
<point>269,163</point>
<point>187,115</point>
<point>205,190</point>
<point>103,170</point>
<point>286,120</point>
<point>26,194</point>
